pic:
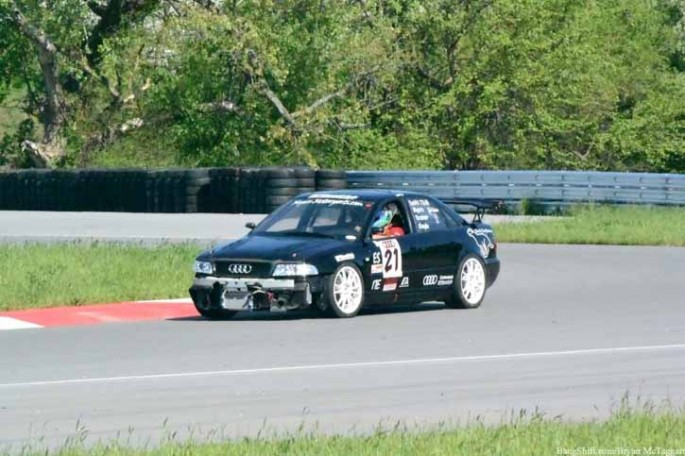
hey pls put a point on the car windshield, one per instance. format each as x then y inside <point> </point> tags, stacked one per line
<point>319,215</point>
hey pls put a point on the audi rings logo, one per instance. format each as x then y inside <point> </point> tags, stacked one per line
<point>430,280</point>
<point>239,268</point>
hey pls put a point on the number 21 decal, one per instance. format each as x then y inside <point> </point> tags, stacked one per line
<point>391,254</point>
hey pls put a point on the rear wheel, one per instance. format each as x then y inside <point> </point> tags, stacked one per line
<point>345,291</point>
<point>469,285</point>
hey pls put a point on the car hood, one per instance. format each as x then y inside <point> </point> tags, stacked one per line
<point>277,248</point>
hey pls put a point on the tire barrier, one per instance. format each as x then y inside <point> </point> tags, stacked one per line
<point>261,190</point>
<point>329,179</point>
<point>219,190</point>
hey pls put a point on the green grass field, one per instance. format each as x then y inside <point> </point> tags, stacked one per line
<point>602,225</point>
<point>36,275</point>
<point>75,274</point>
<point>625,433</point>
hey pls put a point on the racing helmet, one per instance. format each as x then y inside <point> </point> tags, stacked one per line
<point>382,219</point>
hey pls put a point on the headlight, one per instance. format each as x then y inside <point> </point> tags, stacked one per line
<point>295,269</point>
<point>203,267</point>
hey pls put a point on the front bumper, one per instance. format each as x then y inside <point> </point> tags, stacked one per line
<point>209,292</point>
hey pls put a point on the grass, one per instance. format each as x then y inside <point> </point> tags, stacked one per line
<point>629,225</point>
<point>35,275</point>
<point>625,432</point>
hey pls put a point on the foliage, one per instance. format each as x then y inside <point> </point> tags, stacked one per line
<point>541,84</point>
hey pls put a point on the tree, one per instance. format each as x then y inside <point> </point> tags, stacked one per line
<point>56,48</point>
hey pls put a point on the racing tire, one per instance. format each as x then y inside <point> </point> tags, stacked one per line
<point>345,291</point>
<point>277,200</point>
<point>288,191</point>
<point>290,182</point>
<point>331,174</point>
<point>469,286</point>
<point>331,184</point>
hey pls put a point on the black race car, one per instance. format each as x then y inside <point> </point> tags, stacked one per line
<point>341,250</point>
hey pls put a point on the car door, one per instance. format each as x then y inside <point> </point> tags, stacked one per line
<point>433,248</point>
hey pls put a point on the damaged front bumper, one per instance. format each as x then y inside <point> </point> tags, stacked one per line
<point>251,294</point>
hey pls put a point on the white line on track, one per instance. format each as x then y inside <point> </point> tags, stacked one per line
<point>400,362</point>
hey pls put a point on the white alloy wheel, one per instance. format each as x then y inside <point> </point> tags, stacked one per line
<point>472,281</point>
<point>347,292</point>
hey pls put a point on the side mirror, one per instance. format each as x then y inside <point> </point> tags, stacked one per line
<point>250,225</point>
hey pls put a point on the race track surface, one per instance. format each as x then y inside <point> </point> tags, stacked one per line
<point>567,329</point>
<point>46,226</point>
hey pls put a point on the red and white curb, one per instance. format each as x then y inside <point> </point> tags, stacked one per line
<point>98,314</point>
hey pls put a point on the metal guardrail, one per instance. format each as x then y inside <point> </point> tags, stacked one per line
<point>549,188</point>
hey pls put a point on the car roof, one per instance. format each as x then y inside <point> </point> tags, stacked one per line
<point>370,194</point>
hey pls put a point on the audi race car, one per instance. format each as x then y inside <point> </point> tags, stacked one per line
<point>342,250</point>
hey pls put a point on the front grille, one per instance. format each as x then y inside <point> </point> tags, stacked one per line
<point>256,269</point>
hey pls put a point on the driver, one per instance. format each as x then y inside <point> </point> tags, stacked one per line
<point>388,223</point>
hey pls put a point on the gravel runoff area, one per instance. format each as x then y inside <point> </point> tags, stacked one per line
<point>46,226</point>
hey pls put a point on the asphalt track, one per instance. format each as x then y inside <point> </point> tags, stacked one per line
<point>46,226</point>
<point>568,330</point>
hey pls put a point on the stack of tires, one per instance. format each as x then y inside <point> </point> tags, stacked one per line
<point>223,190</point>
<point>282,184</point>
<point>5,183</point>
<point>248,198</point>
<point>9,198</point>
<point>197,190</point>
<point>165,190</point>
<point>133,190</point>
<point>62,191</point>
<point>331,179</point>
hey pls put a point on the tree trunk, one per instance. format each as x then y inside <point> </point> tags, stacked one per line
<point>52,147</point>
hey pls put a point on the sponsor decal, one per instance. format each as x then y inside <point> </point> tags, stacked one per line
<point>445,280</point>
<point>237,268</point>
<point>344,257</point>
<point>328,201</point>
<point>376,269</point>
<point>433,210</point>
<point>419,202</point>
<point>483,239</point>
<point>424,227</point>
<point>391,258</point>
<point>390,285</point>
<point>421,218</point>
<point>430,280</point>
<point>405,282</point>
<point>418,210</point>
<point>333,196</point>
<point>377,258</point>
<point>376,284</point>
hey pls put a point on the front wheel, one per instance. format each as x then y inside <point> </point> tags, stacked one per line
<point>345,291</point>
<point>469,284</point>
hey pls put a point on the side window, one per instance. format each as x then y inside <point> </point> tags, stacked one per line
<point>390,220</point>
<point>325,217</point>
<point>428,216</point>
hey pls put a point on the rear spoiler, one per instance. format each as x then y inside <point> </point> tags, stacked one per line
<point>481,206</point>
